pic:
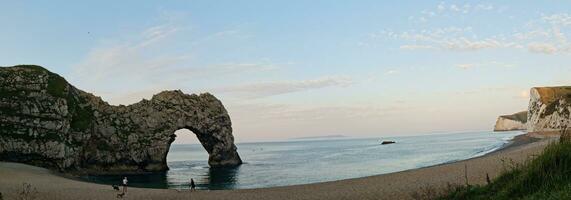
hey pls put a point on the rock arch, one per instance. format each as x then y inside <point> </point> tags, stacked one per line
<point>47,122</point>
<point>203,114</point>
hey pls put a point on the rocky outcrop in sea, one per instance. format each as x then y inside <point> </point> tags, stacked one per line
<point>47,122</point>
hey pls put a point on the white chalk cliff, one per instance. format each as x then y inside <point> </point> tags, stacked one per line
<point>549,109</point>
<point>516,121</point>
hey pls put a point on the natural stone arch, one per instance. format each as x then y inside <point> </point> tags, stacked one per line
<point>154,124</point>
<point>47,122</point>
<point>220,147</point>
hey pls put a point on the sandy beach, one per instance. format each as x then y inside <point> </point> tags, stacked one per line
<point>399,185</point>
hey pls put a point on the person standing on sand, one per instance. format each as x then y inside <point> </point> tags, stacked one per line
<point>192,185</point>
<point>125,181</point>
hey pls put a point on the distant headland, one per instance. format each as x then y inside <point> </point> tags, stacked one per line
<point>319,137</point>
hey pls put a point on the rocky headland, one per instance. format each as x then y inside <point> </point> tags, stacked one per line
<point>45,121</point>
<point>516,121</point>
<point>549,111</point>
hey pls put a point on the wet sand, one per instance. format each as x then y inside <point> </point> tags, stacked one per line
<point>398,185</point>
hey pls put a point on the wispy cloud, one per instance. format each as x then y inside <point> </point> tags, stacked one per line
<point>391,72</point>
<point>541,47</point>
<point>415,47</point>
<point>155,34</point>
<point>449,38</point>
<point>266,89</point>
<point>451,9</point>
<point>545,34</point>
<point>313,113</point>
<point>138,65</point>
<point>466,66</point>
<point>560,19</point>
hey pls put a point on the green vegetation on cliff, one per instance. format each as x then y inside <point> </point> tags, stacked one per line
<point>82,116</point>
<point>8,93</point>
<point>57,86</point>
<point>35,68</point>
<point>548,176</point>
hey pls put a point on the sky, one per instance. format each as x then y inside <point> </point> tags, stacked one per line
<point>287,69</point>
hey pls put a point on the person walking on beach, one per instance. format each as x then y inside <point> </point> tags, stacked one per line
<point>192,185</point>
<point>125,181</point>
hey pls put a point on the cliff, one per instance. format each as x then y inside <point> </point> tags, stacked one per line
<point>516,121</point>
<point>549,108</point>
<point>47,122</point>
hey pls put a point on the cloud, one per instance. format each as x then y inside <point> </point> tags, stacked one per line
<point>154,34</point>
<point>302,113</point>
<point>501,64</point>
<point>266,89</point>
<point>444,9</point>
<point>546,35</point>
<point>449,39</point>
<point>391,72</point>
<point>466,66</point>
<point>455,8</point>
<point>538,47</point>
<point>441,7</point>
<point>484,7</point>
<point>416,47</point>
<point>127,59</point>
<point>464,44</point>
<point>143,63</point>
<point>560,19</point>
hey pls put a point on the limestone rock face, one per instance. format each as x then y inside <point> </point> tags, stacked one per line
<point>47,122</point>
<point>549,109</point>
<point>516,121</point>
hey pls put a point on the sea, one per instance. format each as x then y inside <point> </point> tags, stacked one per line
<point>304,161</point>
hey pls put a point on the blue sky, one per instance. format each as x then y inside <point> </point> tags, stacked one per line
<point>289,69</point>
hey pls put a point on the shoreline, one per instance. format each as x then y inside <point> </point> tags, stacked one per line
<point>397,185</point>
<point>509,143</point>
<point>516,141</point>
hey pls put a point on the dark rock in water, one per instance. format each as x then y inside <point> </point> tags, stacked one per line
<point>45,121</point>
<point>387,142</point>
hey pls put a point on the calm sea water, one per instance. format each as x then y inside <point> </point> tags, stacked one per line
<point>293,162</point>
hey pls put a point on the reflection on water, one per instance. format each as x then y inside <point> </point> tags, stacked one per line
<point>152,180</point>
<point>213,179</point>
<point>222,178</point>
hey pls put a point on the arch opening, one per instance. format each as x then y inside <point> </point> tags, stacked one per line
<point>187,158</point>
<point>186,147</point>
<point>185,136</point>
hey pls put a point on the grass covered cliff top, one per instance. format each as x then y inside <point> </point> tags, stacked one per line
<point>57,85</point>
<point>549,94</point>
<point>520,116</point>
<point>547,176</point>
